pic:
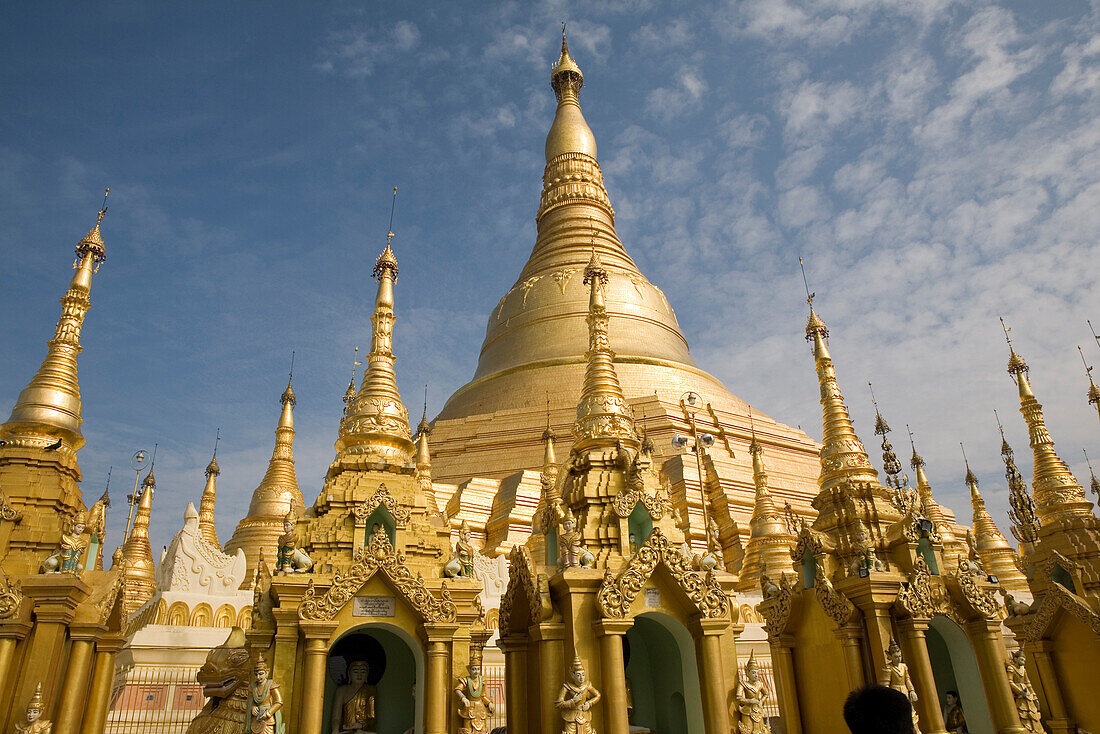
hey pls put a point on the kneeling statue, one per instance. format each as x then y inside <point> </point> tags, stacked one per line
<point>353,710</point>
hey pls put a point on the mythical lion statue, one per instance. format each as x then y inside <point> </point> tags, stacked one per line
<point>224,678</point>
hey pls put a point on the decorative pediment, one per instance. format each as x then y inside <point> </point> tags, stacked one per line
<point>924,596</point>
<point>836,604</point>
<point>382,497</point>
<point>523,588</point>
<point>378,555</point>
<point>618,592</point>
<point>778,603</point>
<point>981,601</point>
<point>810,540</point>
<point>1044,611</point>
<point>657,503</point>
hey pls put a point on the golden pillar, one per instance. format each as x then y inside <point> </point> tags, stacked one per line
<point>712,681</point>
<point>985,634</point>
<point>851,639</point>
<point>514,647</point>
<point>103,679</point>
<point>786,687</point>
<point>879,629</point>
<point>311,711</point>
<point>11,634</point>
<point>437,678</point>
<point>920,671</point>
<point>74,688</point>
<point>550,638</point>
<point>613,671</point>
<point>1057,715</point>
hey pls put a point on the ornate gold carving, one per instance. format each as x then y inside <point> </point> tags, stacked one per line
<point>618,593</point>
<point>7,512</point>
<point>836,604</point>
<point>382,497</point>
<point>657,504</point>
<point>1056,598</point>
<point>777,604</point>
<point>10,598</point>
<point>981,600</point>
<point>562,277</point>
<point>527,285</point>
<point>524,584</point>
<point>378,555</point>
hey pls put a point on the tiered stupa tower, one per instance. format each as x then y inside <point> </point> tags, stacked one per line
<point>277,495</point>
<point>535,346</point>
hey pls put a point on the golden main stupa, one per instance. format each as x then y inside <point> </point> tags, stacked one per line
<point>593,536</point>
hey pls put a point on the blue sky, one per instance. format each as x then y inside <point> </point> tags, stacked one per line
<point>935,163</point>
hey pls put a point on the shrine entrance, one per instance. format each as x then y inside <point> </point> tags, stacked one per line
<point>955,668</point>
<point>395,671</point>
<point>662,677</point>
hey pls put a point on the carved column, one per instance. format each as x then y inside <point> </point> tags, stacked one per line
<point>11,634</point>
<point>920,671</point>
<point>708,653</point>
<point>851,639</point>
<point>786,689</point>
<point>550,638</point>
<point>103,680</point>
<point>514,647</point>
<point>985,635</point>
<point>610,633</point>
<point>74,688</point>
<point>1057,715</point>
<point>437,678</point>
<point>311,710</point>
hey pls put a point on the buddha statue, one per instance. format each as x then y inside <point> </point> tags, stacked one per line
<point>33,722</point>
<point>353,706</point>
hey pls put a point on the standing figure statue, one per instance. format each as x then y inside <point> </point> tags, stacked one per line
<point>353,709</point>
<point>265,707</point>
<point>73,544</point>
<point>576,700</point>
<point>571,550</point>
<point>291,559</point>
<point>895,674</point>
<point>97,529</point>
<point>34,723</point>
<point>1027,703</point>
<point>462,562</point>
<point>953,717</point>
<point>475,706</point>
<point>752,691</point>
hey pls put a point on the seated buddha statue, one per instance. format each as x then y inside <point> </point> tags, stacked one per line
<point>353,709</point>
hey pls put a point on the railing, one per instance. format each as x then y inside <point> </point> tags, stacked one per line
<point>149,700</point>
<point>494,688</point>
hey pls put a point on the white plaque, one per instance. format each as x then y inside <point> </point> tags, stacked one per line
<point>373,606</point>
<point>653,597</point>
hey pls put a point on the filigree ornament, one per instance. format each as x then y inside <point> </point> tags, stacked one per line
<point>616,594</point>
<point>778,603</point>
<point>378,555</point>
<point>1056,598</point>
<point>563,276</point>
<point>527,285</point>
<point>522,588</point>
<point>382,497</point>
<point>921,598</point>
<point>981,600</point>
<point>106,603</point>
<point>836,604</point>
<point>7,512</point>
<point>809,541</point>
<point>10,598</point>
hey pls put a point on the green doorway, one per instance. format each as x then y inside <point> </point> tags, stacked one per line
<point>955,668</point>
<point>395,665</point>
<point>662,677</point>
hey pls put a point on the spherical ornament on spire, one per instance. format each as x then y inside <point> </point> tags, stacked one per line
<point>386,263</point>
<point>565,76</point>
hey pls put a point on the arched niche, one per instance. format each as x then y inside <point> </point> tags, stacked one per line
<point>639,524</point>
<point>399,690</point>
<point>224,616</point>
<point>663,675</point>
<point>177,614</point>
<point>955,668</point>
<point>201,616</point>
<point>381,516</point>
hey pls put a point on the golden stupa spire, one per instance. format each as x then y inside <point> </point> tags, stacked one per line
<point>423,455</point>
<point>48,409</point>
<point>1058,495</point>
<point>770,540</point>
<point>207,526</point>
<point>1025,523</point>
<point>602,411</point>
<point>929,506</point>
<point>377,422</point>
<point>843,457</point>
<point>277,493</point>
<point>137,554</point>
<point>569,133</point>
<point>998,557</point>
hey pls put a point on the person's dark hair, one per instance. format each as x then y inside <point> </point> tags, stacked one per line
<point>954,693</point>
<point>878,710</point>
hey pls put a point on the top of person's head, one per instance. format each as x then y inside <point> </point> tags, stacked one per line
<point>878,710</point>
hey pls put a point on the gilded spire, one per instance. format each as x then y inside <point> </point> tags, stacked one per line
<point>1025,523</point>
<point>998,557</point>
<point>377,422</point>
<point>137,554</point>
<point>207,526</point>
<point>1094,483</point>
<point>1094,391</point>
<point>602,411</point>
<point>1057,493</point>
<point>49,408</point>
<point>929,507</point>
<point>890,463</point>
<point>770,541</point>
<point>569,133</point>
<point>277,493</point>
